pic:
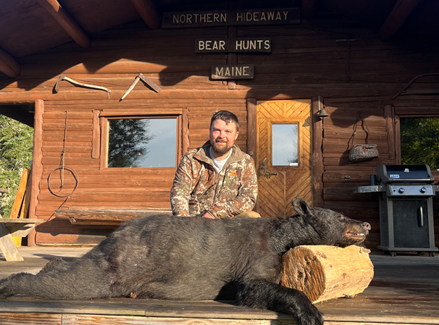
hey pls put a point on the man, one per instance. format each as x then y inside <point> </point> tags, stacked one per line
<point>217,180</point>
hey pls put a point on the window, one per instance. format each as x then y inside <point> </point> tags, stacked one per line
<point>285,144</point>
<point>141,142</point>
<point>420,141</point>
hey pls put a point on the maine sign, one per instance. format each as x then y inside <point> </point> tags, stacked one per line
<point>236,71</point>
<point>190,19</point>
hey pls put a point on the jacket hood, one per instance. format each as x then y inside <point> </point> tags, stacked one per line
<point>202,154</point>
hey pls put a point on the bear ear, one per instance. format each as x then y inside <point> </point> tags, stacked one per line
<point>301,206</point>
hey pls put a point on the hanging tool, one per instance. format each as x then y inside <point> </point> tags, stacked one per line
<point>62,168</point>
<point>146,80</point>
<point>80,84</point>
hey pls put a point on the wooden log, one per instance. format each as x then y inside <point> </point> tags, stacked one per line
<point>37,167</point>
<point>326,272</point>
<point>67,22</point>
<point>9,65</point>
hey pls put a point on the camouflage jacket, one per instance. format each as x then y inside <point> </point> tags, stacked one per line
<point>198,187</point>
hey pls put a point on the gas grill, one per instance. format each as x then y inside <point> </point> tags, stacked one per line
<point>405,206</point>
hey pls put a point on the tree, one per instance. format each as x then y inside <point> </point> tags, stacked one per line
<point>420,141</point>
<point>16,141</point>
<point>127,142</point>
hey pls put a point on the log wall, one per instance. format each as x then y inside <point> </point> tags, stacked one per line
<point>307,60</point>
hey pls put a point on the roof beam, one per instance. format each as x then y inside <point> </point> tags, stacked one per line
<point>8,65</point>
<point>15,113</point>
<point>148,11</point>
<point>66,22</point>
<point>399,14</point>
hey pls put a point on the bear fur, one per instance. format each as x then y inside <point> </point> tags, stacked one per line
<point>165,257</point>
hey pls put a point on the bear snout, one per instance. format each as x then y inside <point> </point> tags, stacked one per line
<point>366,226</point>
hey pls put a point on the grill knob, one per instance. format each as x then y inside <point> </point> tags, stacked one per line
<point>423,189</point>
<point>401,190</point>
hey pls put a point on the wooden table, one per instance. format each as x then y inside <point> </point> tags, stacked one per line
<point>14,228</point>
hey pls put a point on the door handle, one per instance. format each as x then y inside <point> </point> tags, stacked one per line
<point>266,171</point>
<point>421,216</point>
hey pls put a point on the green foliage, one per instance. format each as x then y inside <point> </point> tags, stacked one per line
<point>127,142</point>
<point>420,141</point>
<point>16,141</point>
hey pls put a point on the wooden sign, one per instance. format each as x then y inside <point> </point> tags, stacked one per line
<point>236,71</point>
<point>190,19</point>
<point>225,45</point>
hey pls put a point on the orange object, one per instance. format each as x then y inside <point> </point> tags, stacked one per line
<point>20,195</point>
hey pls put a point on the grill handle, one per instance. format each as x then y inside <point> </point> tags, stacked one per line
<point>421,216</point>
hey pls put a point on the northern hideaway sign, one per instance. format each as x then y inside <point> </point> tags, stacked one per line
<point>181,19</point>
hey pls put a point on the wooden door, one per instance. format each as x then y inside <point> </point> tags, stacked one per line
<point>283,155</point>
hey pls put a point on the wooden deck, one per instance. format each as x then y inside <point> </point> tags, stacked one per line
<point>405,290</point>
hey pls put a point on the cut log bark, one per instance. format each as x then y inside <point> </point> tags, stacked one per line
<point>327,272</point>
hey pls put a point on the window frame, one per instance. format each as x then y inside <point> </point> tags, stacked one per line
<point>106,116</point>
<point>408,111</point>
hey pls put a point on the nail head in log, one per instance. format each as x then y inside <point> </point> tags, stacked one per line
<point>327,272</point>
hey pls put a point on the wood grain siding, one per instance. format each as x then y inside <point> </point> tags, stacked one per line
<point>306,61</point>
<point>101,187</point>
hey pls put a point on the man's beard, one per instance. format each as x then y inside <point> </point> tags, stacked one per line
<point>220,151</point>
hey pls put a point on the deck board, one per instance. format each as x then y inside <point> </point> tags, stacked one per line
<point>404,291</point>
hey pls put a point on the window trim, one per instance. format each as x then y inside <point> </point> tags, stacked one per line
<point>408,112</point>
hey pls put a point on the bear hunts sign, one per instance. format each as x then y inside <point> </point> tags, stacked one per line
<point>190,19</point>
<point>226,45</point>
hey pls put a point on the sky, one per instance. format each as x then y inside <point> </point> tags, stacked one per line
<point>162,148</point>
<point>284,144</point>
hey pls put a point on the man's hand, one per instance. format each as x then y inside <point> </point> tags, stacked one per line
<point>208,215</point>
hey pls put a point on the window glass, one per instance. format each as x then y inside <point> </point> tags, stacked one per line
<point>146,142</point>
<point>420,141</point>
<point>285,145</point>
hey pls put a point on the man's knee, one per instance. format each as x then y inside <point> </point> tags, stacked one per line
<point>248,214</point>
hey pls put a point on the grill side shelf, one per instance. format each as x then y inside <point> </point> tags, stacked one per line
<point>371,189</point>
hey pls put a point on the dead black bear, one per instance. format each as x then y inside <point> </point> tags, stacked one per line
<point>166,257</point>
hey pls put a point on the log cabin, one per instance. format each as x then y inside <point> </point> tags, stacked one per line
<point>118,91</point>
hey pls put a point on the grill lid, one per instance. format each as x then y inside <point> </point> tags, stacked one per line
<point>404,174</point>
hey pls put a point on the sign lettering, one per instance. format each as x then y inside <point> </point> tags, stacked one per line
<point>237,71</point>
<point>190,19</point>
<point>233,45</point>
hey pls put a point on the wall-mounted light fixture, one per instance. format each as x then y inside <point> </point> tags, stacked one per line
<point>322,111</point>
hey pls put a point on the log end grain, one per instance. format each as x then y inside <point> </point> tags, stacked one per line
<point>327,272</point>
